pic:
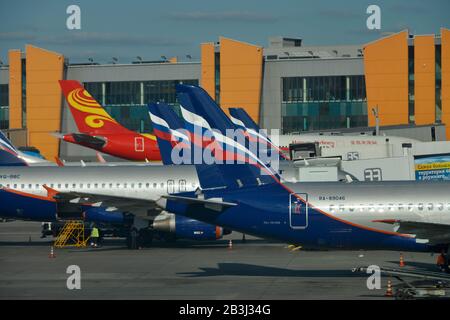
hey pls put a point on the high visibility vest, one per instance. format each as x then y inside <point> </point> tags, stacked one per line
<point>94,233</point>
<point>440,260</point>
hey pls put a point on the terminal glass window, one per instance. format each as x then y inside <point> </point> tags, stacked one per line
<point>4,106</point>
<point>126,101</point>
<point>318,103</point>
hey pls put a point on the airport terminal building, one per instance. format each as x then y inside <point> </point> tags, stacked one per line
<point>286,85</point>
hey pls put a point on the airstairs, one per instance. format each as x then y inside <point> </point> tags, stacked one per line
<point>71,235</point>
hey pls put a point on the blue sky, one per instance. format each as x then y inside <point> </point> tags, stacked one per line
<point>150,29</point>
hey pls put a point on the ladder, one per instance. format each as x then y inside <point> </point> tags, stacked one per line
<point>71,235</point>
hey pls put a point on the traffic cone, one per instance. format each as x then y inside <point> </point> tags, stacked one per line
<point>52,253</point>
<point>389,292</point>
<point>230,244</point>
<point>402,262</point>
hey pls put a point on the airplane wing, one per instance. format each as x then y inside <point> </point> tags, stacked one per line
<point>435,233</point>
<point>142,208</point>
<point>213,203</point>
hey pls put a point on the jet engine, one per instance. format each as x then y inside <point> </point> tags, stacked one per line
<point>186,228</point>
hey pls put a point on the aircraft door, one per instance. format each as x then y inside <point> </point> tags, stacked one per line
<point>298,210</point>
<point>170,186</point>
<point>139,144</point>
<point>182,185</point>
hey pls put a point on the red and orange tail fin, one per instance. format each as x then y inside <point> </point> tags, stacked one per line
<point>89,115</point>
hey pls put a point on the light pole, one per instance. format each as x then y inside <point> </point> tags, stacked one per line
<point>377,120</point>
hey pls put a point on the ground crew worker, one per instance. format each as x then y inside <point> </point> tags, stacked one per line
<point>442,262</point>
<point>134,236</point>
<point>94,237</point>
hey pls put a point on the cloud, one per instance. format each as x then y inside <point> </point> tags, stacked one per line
<point>92,38</point>
<point>230,16</point>
<point>17,36</point>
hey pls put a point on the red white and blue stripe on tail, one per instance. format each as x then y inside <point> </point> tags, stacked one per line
<point>9,155</point>
<point>241,119</point>
<point>166,127</point>
<point>203,116</point>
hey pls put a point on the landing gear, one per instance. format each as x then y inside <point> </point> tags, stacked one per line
<point>137,239</point>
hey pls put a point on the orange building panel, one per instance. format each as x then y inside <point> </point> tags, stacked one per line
<point>424,80</point>
<point>386,73</point>
<point>44,69</point>
<point>15,89</point>
<point>240,76</point>
<point>445,84</point>
<point>208,77</point>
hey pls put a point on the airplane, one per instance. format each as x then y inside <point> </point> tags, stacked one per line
<point>407,216</point>
<point>14,156</point>
<point>242,120</point>
<point>99,131</point>
<point>18,157</point>
<point>123,196</point>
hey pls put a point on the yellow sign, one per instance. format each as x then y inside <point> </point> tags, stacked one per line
<point>433,166</point>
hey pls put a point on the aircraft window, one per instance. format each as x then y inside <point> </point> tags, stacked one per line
<point>147,185</point>
<point>371,208</point>
<point>67,186</point>
<point>125,185</point>
<point>37,186</point>
<point>410,207</point>
<point>162,184</point>
<point>59,185</point>
<point>103,185</point>
<point>74,185</point>
<point>380,208</point>
<point>351,208</point>
<point>117,185</point>
<point>391,207</point>
<point>448,206</point>
<point>420,206</point>
<point>341,208</point>
<point>88,185</point>
<point>81,186</point>
<point>400,207</point>
<point>110,185</point>
<point>22,186</point>
<point>7,185</point>
<point>154,185</point>
<point>361,208</point>
<point>96,185</point>
<point>132,185</point>
<point>429,206</point>
<point>15,185</point>
<point>331,207</point>
<point>140,185</point>
<point>30,186</point>
<point>440,206</point>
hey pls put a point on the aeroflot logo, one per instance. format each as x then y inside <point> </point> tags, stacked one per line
<point>81,100</point>
<point>205,146</point>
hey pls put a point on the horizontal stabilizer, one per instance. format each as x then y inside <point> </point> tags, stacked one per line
<point>95,142</point>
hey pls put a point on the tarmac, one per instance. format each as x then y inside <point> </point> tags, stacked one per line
<point>254,269</point>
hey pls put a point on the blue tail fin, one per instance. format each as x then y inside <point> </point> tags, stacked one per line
<point>9,155</point>
<point>166,127</point>
<point>201,114</point>
<point>242,120</point>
